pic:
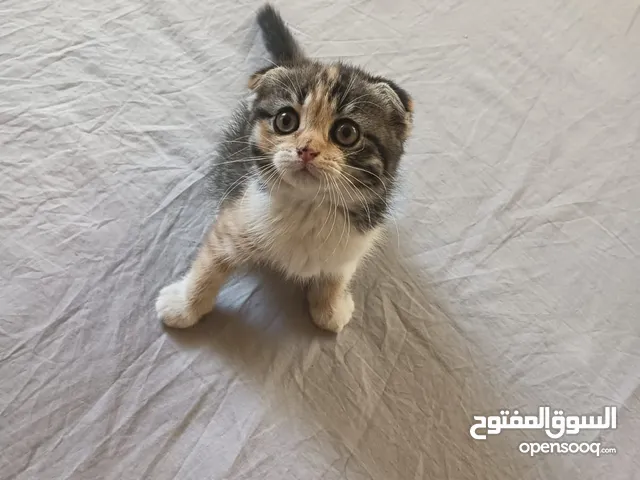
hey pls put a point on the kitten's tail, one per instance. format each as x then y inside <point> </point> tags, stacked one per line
<point>278,39</point>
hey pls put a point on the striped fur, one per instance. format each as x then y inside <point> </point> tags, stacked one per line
<point>312,221</point>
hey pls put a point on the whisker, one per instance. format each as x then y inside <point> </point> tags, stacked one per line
<point>346,220</point>
<point>365,102</point>
<point>238,181</point>
<point>324,193</point>
<point>352,81</point>
<point>352,188</point>
<point>243,160</point>
<point>384,201</point>
<point>284,86</point>
<point>330,201</point>
<point>370,173</point>
<point>232,187</point>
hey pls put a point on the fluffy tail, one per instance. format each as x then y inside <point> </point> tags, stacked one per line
<point>280,44</point>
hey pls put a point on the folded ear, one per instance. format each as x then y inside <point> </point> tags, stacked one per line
<point>396,95</point>
<point>261,75</point>
<point>400,100</point>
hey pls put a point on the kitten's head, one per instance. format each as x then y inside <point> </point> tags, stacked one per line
<point>328,127</point>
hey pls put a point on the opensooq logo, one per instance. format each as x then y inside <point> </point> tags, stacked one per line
<point>554,426</point>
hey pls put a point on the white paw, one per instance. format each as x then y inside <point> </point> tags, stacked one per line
<point>173,308</point>
<point>333,317</point>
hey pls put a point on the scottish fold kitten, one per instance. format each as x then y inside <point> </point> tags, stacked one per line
<point>302,181</point>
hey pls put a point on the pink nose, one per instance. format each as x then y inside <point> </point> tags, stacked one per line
<point>306,154</point>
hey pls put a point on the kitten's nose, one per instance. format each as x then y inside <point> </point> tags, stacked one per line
<point>306,154</point>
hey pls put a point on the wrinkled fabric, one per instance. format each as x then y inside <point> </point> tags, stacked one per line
<point>509,279</point>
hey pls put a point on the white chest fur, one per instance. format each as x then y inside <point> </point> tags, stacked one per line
<point>303,237</point>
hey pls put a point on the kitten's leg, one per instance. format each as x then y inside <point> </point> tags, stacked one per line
<point>182,304</point>
<point>330,302</point>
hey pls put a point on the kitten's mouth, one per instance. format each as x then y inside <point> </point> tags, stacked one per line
<point>304,172</point>
<point>300,177</point>
<point>299,174</point>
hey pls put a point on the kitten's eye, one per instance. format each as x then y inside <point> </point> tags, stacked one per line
<point>346,133</point>
<point>286,121</point>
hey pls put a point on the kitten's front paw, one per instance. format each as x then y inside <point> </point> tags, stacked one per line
<point>332,316</point>
<point>173,308</point>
